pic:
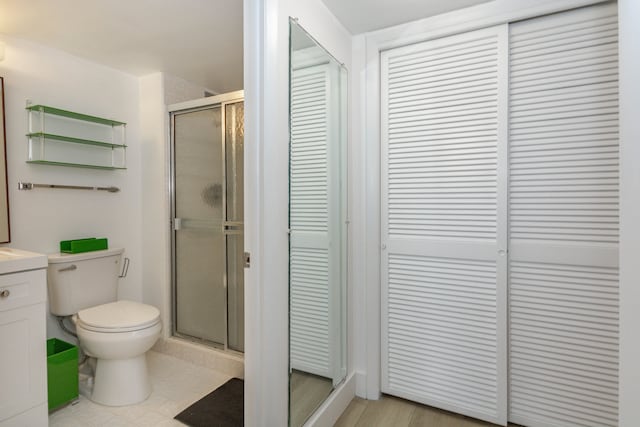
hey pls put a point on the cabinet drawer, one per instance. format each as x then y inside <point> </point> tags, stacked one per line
<point>22,289</point>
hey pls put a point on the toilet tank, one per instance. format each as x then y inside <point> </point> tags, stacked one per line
<point>79,281</point>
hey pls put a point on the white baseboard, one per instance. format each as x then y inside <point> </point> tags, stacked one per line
<point>361,384</point>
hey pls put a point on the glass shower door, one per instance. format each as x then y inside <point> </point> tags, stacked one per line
<point>199,240</point>
<point>208,215</point>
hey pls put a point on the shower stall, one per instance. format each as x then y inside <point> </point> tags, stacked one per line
<point>207,139</point>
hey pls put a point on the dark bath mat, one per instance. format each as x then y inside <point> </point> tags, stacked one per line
<point>223,407</point>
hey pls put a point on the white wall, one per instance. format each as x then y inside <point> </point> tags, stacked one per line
<point>137,217</point>
<point>358,199</point>
<point>40,218</point>
<point>266,196</point>
<point>155,197</point>
<point>177,89</point>
<point>629,50</point>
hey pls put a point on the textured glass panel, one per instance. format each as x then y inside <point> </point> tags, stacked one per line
<point>234,151</point>
<point>234,135</point>
<point>235,283</point>
<point>200,242</point>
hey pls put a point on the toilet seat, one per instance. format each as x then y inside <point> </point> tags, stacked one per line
<point>120,316</point>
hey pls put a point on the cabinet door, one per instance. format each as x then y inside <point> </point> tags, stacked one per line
<point>23,357</point>
<point>443,223</point>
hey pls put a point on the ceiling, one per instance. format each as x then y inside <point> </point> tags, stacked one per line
<point>360,16</point>
<point>198,40</point>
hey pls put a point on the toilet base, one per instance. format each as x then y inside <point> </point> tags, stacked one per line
<point>120,382</point>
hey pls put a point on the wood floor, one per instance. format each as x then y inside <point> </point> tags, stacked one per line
<point>307,394</point>
<point>393,412</point>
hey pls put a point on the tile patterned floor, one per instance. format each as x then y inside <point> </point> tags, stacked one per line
<point>176,384</point>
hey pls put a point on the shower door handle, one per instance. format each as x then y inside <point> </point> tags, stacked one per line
<point>199,224</point>
<point>233,227</point>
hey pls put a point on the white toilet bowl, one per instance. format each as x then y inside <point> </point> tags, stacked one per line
<point>118,335</point>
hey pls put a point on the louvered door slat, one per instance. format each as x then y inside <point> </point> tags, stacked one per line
<point>563,219</point>
<point>443,282</point>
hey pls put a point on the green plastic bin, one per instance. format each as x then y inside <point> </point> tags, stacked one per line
<point>62,372</point>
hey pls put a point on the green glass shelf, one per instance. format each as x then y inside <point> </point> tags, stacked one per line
<point>72,115</point>
<point>74,140</point>
<point>75,165</point>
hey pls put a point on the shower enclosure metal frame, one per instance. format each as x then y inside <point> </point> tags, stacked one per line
<point>229,226</point>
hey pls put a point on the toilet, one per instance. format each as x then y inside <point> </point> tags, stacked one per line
<point>117,334</point>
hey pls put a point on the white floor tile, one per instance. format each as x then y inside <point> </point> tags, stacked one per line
<point>176,384</point>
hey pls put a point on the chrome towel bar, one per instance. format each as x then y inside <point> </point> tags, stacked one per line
<point>30,186</point>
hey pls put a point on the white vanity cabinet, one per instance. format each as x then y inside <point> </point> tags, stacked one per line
<point>23,349</point>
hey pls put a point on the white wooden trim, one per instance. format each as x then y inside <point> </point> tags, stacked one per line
<point>502,202</point>
<point>337,233</point>
<point>357,229</point>
<point>371,138</point>
<point>629,51</point>
<point>254,371</point>
<point>469,19</point>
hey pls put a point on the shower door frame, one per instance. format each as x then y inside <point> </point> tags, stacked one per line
<point>182,108</point>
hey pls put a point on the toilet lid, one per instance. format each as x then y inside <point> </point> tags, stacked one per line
<point>119,315</point>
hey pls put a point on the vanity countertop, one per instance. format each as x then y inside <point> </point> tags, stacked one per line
<point>13,260</point>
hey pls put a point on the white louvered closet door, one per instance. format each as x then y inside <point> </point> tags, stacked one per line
<point>444,223</point>
<point>563,214</point>
<point>314,219</point>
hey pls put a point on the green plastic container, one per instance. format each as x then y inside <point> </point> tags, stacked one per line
<point>62,372</point>
<point>83,245</point>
